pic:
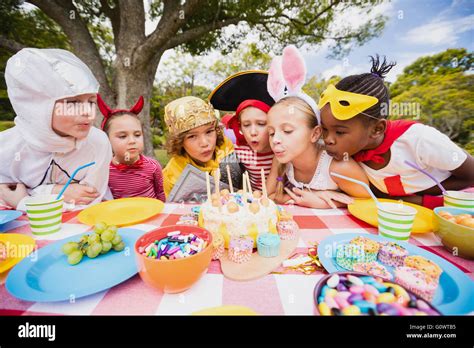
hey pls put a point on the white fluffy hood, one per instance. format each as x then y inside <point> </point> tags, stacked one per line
<point>36,78</point>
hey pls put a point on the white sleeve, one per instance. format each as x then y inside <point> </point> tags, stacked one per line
<point>98,175</point>
<point>436,150</point>
<point>40,190</point>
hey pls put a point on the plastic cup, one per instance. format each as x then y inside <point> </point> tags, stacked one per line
<point>396,220</point>
<point>459,199</point>
<point>45,214</point>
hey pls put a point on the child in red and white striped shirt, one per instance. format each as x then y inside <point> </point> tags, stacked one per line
<point>253,146</point>
<point>131,173</point>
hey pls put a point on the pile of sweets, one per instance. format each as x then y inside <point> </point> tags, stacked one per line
<point>367,295</point>
<point>174,246</point>
<point>416,273</point>
<point>461,219</point>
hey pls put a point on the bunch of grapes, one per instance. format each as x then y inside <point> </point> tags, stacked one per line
<point>101,241</point>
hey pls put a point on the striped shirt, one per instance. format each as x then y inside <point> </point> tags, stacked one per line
<point>145,180</point>
<point>254,162</point>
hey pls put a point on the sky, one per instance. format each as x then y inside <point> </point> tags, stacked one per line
<point>413,29</point>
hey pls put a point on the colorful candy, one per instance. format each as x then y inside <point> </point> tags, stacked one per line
<point>174,246</point>
<point>353,294</point>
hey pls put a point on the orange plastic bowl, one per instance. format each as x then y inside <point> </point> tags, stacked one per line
<point>172,276</point>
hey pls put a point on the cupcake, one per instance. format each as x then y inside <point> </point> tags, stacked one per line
<point>287,229</point>
<point>417,281</point>
<point>188,219</point>
<point>268,244</point>
<point>370,247</point>
<point>349,254</point>
<point>424,265</point>
<point>240,249</point>
<point>374,269</point>
<point>392,254</point>
<point>218,246</point>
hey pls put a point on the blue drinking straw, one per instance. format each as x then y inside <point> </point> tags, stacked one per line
<point>72,177</point>
<point>360,183</point>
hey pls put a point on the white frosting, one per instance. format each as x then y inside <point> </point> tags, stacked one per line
<point>238,223</point>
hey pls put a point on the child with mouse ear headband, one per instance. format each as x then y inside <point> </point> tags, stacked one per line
<point>301,166</point>
<point>131,173</point>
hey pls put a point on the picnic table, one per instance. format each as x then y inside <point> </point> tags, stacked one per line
<point>281,292</point>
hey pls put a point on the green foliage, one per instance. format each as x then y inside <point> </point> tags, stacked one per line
<point>248,57</point>
<point>424,68</point>
<point>279,23</point>
<point>315,87</point>
<point>443,91</point>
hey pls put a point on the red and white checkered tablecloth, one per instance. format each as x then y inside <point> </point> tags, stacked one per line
<point>287,293</point>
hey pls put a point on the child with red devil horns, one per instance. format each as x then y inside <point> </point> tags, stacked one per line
<point>131,173</point>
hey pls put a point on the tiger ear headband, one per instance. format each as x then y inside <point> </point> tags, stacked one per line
<point>108,112</point>
<point>287,76</point>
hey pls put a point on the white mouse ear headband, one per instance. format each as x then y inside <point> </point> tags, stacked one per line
<point>289,71</point>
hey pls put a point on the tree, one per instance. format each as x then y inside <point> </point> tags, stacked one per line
<point>423,69</point>
<point>246,57</point>
<point>314,87</point>
<point>17,26</point>
<point>442,92</point>
<point>195,25</point>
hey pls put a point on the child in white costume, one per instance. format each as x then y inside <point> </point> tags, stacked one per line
<point>53,94</point>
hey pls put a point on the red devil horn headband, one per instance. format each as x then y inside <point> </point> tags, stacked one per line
<point>107,111</point>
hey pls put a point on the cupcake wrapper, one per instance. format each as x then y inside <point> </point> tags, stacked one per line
<point>267,250</point>
<point>239,256</point>
<point>218,252</point>
<point>425,294</point>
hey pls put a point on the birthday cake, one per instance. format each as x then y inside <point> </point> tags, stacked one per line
<point>239,214</point>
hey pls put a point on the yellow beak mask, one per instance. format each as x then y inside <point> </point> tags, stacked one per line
<point>345,105</point>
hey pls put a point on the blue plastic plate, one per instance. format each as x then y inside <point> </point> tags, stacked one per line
<point>455,294</point>
<point>7,216</point>
<point>49,277</point>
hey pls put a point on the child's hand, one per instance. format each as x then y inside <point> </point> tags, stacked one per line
<point>319,199</point>
<point>281,199</point>
<point>12,196</point>
<point>78,193</point>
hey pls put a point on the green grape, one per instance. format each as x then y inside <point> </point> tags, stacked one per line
<point>106,246</point>
<point>69,247</point>
<point>94,250</point>
<point>112,229</point>
<point>119,247</point>
<point>100,227</point>
<point>75,257</point>
<point>93,238</point>
<point>117,239</point>
<point>107,236</point>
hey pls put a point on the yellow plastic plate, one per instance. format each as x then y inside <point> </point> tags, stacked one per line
<point>226,310</point>
<point>121,212</point>
<point>19,246</point>
<point>366,210</point>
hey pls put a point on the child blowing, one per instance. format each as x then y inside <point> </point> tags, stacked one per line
<point>53,94</point>
<point>131,173</point>
<point>355,124</point>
